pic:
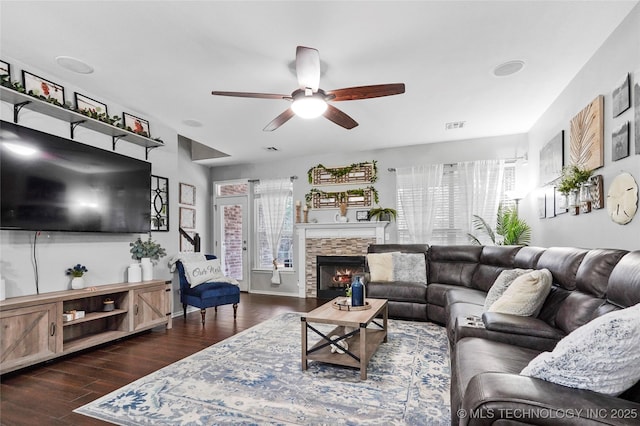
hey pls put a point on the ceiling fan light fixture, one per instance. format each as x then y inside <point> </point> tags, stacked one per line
<point>309,106</point>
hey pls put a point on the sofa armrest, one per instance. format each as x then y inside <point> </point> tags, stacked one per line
<point>491,397</point>
<point>514,324</point>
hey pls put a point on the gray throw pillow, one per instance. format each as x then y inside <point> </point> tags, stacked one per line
<point>409,267</point>
<point>602,356</point>
<point>501,283</point>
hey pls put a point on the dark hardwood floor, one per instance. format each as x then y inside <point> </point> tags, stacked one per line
<point>47,394</point>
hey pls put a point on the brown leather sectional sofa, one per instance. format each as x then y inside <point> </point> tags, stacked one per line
<point>489,349</point>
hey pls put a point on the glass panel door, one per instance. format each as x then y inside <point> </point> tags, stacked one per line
<point>231,240</point>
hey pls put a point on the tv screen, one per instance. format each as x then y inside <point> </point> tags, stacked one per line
<point>51,183</point>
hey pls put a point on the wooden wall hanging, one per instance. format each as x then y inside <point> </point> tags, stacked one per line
<point>354,173</point>
<point>587,136</point>
<point>362,197</point>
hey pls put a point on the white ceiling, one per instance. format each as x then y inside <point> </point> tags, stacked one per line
<point>162,59</point>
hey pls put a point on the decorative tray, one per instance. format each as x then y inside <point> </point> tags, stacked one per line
<point>345,305</point>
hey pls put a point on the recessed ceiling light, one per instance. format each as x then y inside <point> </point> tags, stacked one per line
<point>192,122</point>
<point>508,68</point>
<point>74,64</point>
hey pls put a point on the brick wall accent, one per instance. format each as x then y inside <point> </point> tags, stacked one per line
<point>329,247</point>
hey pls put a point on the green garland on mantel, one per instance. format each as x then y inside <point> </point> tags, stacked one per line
<point>338,172</point>
<point>341,195</point>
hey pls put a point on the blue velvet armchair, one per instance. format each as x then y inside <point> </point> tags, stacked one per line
<point>207,295</point>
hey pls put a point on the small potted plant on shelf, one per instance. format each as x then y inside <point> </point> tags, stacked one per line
<point>146,249</point>
<point>77,271</point>
<point>573,177</point>
<point>383,214</point>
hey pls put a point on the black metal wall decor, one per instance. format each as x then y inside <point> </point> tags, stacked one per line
<point>159,203</point>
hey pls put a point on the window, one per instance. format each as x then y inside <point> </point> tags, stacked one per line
<point>451,204</point>
<point>263,256</point>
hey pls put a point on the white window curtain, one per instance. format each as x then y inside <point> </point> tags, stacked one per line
<point>481,182</point>
<point>273,197</point>
<point>415,188</point>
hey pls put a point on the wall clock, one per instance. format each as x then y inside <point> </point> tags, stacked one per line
<point>622,198</point>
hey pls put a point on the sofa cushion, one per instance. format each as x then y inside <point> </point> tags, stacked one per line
<point>401,291</point>
<point>594,270</point>
<point>453,264</point>
<point>525,295</point>
<point>465,295</point>
<point>501,283</point>
<point>602,356</point>
<point>624,283</point>
<point>563,262</point>
<point>493,260</point>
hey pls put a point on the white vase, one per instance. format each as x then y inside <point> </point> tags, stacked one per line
<point>134,273</point>
<point>77,283</point>
<point>147,269</point>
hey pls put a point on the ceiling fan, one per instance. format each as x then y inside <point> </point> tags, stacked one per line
<point>309,101</point>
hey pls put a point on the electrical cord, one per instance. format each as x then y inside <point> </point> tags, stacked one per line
<point>35,261</point>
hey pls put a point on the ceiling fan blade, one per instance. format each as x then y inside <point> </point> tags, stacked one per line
<point>279,120</point>
<point>308,67</point>
<point>365,92</point>
<point>251,95</point>
<point>340,118</point>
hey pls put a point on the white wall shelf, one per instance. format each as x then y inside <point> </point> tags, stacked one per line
<point>75,119</point>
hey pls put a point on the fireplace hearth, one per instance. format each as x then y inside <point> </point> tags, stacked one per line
<point>335,274</point>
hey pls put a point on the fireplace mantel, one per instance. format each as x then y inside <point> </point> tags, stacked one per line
<point>359,232</point>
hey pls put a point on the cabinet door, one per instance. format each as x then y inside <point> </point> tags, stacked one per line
<point>28,335</point>
<point>149,307</point>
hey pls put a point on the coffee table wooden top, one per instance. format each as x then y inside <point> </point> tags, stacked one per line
<point>327,314</point>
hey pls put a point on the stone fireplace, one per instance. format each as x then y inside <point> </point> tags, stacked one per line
<point>335,273</point>
<point>331,239</point>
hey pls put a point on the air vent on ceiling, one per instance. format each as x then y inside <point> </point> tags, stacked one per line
<point>454,125</point>
<point>271,148</point>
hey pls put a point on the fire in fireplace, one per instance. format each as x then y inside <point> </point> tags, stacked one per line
<point>335,274</point>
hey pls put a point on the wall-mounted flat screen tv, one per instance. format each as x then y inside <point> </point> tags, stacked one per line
<point>51,183</point>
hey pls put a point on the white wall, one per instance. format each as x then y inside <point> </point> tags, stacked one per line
<point>619,55</point>
<point>105,255</point>
<point>445,152</point>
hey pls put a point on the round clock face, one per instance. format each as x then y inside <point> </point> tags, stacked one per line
<point>622,198</point>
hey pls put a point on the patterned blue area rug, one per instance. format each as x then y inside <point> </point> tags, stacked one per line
<point>255,377</point>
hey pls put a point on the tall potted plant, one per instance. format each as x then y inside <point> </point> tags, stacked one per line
<point>512,229</point>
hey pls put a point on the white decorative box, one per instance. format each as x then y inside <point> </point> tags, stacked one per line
<point>79,314</point>
<point>67,317</point>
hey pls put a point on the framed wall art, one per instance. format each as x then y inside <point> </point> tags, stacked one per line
<point>187,194</point>
<point>561,202</point>
<point>552,159</point>
<point>40,87</point>
<point>136,124</point>
<point>587,136</point>
<point>187,218</point>
<point>86,104</point>
<point>5,69</point>
<point>620,142</point>
<point>636,111</point>
<point>550,202</point>
<point>621,98</point>
<point>542,205</point>
<point>159,203</point>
